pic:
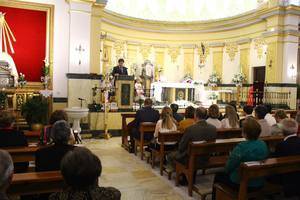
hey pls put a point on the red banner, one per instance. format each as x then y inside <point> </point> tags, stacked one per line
<point>29,28</point>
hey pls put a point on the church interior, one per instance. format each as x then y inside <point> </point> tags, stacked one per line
<point>160,99</point>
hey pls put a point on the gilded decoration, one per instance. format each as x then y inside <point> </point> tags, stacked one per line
<point>174,53</point>
<point>259,47</point>
<point>145,51</point>
<point>231,50</point>
<point>119,47</point>
<point>203,51</point>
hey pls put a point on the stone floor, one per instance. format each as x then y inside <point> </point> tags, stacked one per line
<point>135,178</point>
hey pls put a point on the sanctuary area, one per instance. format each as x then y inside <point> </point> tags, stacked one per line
<point>149,99</point>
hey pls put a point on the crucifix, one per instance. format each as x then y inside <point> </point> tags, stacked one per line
<point>79,49</point>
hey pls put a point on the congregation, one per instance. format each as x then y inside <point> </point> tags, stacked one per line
<point>81,168</point>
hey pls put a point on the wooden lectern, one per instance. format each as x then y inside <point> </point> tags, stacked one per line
<point>124,91</point>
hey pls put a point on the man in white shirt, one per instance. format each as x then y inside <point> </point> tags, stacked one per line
<point>260,113</point>
<point>270,119</point>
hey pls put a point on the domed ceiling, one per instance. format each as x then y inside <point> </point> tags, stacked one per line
<point>181,10</point>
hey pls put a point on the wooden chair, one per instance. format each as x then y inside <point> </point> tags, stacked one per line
<point>125,133</point>
<point>221,148</point>
<point>146,128</point>
<point>162,139</point>
<point>36,183</point>
<point>251,170</point>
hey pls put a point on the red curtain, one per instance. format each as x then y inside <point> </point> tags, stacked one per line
<point>29,28</point>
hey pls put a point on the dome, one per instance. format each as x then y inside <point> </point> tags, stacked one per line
<point>181,10</point>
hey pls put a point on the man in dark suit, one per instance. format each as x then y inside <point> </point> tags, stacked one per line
<point>200,131</point>
<point>146,114</point>
<point>288,147</point>
<point>120,69</point>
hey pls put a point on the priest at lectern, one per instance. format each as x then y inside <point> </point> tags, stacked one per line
<point>120,69</point>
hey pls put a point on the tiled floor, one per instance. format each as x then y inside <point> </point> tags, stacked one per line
<point>133,177</point>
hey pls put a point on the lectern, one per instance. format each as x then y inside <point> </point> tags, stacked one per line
<point>124,91</point>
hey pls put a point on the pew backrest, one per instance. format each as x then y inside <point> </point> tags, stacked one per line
<point>226,133</point>
<point>22,154</point>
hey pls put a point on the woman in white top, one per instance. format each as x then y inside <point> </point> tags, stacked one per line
<point>166,124</point>
<point>213,115</point>
<point>231,120</point>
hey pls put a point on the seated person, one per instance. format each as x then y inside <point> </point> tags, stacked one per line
<point>288,147</point>
<point>260,113</point>
<point>298,121</point>
<point>252,149</point>
<point>270,119</point>
<point>276,128</point>
<point>9,137</point>
<point>200,131</point>
<point>247,111</point>
<point>176,116</point>
<point>231,119</point>
<point>146,114</point>
<point>189,118</point>
<point>6,173</point>
<point>81,170</point>
<point>166,124</point>
<point>213,116</point>
<point>49,158</point>
<point>55,116</point>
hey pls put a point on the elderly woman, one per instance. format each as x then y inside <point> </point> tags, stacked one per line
<point>49,158</point>
<point>81,170</point>
<point>252,149</point>
<point>6,173</point>
<point>279,116</point>
<point>288,147</point>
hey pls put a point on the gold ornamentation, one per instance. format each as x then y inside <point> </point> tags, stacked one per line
<point>119,47</point>
<point>231,50</point>
<point>258,46</point>
<point>174,53</point>
<point>203,51</point>
<point>145,51</point>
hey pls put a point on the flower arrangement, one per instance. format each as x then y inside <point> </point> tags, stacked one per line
<point>238,79</point>
<point>213,80</point>
<point>21,80</point>
<point>45,78</point>
<point>213,96</point>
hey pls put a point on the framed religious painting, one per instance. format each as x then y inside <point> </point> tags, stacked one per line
<point>27,42</point>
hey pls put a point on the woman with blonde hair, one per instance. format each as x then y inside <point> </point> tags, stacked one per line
<point>166,124</point>
<point>231,120</point>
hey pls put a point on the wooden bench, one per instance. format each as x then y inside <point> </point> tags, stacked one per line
<point>22,154</point>
<point>250,170</point>
<point>125,132</point>
<point>36,183</point>
<point>162,139</point>
<point>221,149</point>
<point>226,133</point>
<point>146,128</point>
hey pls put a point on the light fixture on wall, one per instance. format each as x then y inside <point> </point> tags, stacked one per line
<point>292,72</point>
<point>79,49</point>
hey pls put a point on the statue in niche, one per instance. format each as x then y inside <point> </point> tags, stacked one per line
<point>147,73</point>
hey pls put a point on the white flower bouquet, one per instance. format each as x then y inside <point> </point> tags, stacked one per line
<point>213,80</point>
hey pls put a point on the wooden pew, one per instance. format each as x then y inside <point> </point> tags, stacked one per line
<point>22,154</point>
<point>36,183</point>
<point>250,170</point>
<point>162,139</point>
<point>221,148</point>
<point>125,132</point>
<point>146,128</point>
<point>226,133</point>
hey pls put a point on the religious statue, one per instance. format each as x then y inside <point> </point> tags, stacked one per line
<point>6,62</point>
<point>147,73</point>
<point>139,89</point>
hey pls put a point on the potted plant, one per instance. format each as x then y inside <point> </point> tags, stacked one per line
<point>35,111</point>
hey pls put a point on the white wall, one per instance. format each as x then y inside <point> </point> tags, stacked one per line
<point>230,67</point>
